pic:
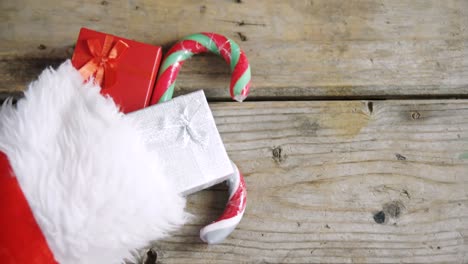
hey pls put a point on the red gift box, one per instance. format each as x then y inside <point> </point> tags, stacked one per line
<point>125,69</point>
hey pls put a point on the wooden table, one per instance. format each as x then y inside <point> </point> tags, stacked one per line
<point>354,140</point>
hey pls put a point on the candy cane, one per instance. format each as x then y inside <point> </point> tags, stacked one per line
<point>221,228</point>
<point>200,43</point>
<point>240,84</point>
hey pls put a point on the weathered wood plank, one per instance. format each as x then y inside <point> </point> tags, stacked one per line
<point>317,48</point>
<point>339,182</point>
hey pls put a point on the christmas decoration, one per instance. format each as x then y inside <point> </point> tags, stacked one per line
<point>125,69</point>
<point>200,43</point>
<point>240,85</point>
<point>187,136</point>
<point>81,182</point>
<point>92,190</point>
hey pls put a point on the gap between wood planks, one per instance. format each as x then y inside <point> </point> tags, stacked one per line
<point>18,95</point>
<point>348,98</point>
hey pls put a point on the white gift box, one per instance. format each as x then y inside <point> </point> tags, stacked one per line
<point>184,133</point>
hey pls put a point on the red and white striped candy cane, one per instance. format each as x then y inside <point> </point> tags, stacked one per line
<point>221,228</point>
<point>201,43</point>
<point>239,89</point>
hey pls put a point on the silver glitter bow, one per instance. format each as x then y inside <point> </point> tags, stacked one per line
<point>186,125</point>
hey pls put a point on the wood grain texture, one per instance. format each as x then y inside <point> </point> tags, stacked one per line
<point>319,48</point>
<point>339,182</point>
<point>328,181</point>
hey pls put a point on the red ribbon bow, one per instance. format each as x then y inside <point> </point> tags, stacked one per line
<point>104,62</point>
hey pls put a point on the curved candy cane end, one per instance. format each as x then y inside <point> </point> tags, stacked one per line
<point>239,98</point>
<point>218,230</point>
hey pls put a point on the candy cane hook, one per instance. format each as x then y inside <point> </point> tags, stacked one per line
<point>239,89</point>
<point>201,43</point>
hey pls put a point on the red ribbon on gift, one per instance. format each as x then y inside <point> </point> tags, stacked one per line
<point>105,59</point>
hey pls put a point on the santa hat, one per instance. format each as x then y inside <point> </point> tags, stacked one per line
<point>77,184</point>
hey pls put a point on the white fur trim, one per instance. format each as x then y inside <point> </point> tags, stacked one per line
<point>94,189</point>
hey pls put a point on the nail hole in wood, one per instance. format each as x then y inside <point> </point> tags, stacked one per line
<point>415,115</point>
<point>379,217</point>
<point>400,157</point>
<point>242,36</point>
<point>370,106</point>
<point>151,257</point>
<point>277,154</point>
